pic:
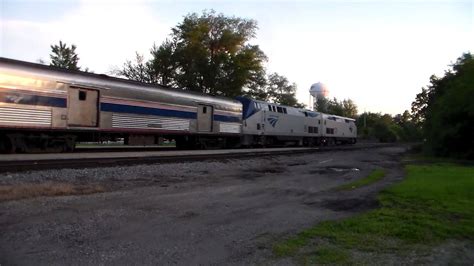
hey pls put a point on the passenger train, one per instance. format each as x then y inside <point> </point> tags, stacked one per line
<point>49,109</point>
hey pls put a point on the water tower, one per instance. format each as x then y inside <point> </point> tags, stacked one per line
<point>317,90</point>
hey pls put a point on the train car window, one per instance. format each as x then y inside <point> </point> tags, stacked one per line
<point>82,95</point>
<point>329,130</point>
<point>258,126</point>
<point>274,109</point>
<point>284,110</point>
<point>204,109</point>
<point>279,109</point>
<point>305,114</point>
<point>269,107</point>
<point>347,121</point>
<point>310,129</point>
<point>319,122</point>
<point>316,130</point>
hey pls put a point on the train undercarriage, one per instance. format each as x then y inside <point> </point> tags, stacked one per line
<point>54,142</point>
<point>51,142</point>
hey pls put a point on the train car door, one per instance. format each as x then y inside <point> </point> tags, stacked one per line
<point>82,107</point>
<point>204,118</point>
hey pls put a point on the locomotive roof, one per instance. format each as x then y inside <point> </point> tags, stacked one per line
<point>304,110</point>
<point>106,77</point>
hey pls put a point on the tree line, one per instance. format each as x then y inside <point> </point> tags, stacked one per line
<point>444,111</point>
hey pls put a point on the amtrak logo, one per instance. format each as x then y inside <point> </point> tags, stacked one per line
<point>272,120</point>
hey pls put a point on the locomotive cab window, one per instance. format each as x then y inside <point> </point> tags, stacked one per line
<point>82,95</point>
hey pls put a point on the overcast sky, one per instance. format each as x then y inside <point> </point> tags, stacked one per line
<point>378,53</point>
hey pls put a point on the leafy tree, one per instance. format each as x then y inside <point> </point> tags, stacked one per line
<point>210,53</point>
<point>322,104</point>
<point>277,89</point>
<point>349,108</point>
<point>418,107</point>
<point>335,107</point>
<point>449,111</point>
<point>386,128</point>
<point>138,70</point>
<point>64,56</point>
<point>163,64</point>
<point>346,107</point>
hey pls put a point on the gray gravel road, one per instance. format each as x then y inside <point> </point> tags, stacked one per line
<point>187,213</point>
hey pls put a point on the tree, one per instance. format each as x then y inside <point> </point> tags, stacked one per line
<point>447,111</point>
<point>322,104</point>
<point>210,53</point>
<point>277,89</point>
<point>418,107</point>
<point>349,108</point>
<point>163,64</point>
<point>138,70</point>
<point>64,56</point>
<point>346,107</point>
<point>335,107</point>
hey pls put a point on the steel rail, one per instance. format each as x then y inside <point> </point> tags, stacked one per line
<point>46,164</point>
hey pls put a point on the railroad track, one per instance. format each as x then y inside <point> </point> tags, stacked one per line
<point>123,148</point>
<point>29,162</point>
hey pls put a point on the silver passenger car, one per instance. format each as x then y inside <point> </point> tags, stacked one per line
<point>43,107</point>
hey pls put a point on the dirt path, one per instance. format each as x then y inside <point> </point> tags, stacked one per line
<point>196,213</point>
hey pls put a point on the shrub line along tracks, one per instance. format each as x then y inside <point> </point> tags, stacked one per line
<point>27,162</point>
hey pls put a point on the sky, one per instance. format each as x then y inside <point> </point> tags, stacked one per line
<point>377,53</point>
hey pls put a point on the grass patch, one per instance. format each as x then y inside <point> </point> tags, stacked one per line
<point>433,204</point>
<point>375,176</point>
<point>326,254</point>
<point>24,191</point>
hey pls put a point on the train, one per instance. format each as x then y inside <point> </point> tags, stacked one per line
<point>49,109</point>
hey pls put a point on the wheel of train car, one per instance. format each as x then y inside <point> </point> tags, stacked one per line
<point>7,145</point>
<point>268,142</point>
<point>331,142</point>
<point>70,144</point>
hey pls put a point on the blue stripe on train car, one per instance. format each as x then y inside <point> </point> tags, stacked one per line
<point>21,98</point>
<point>227,118</point>
<point>121,108</point>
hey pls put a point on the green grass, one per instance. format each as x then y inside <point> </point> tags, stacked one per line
<point>375,176</point>
<point>326,255</point>
<point>433,204</point>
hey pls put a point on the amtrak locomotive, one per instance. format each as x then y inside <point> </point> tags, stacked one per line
<point>45,108</point>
